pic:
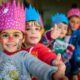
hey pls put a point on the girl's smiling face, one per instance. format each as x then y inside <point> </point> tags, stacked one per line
<point>11,40</point>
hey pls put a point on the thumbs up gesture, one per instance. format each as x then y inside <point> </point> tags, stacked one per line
<point>57,61</point>
<point>61,67</point>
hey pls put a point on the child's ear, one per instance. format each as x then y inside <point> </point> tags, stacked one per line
<point>0,39</point>
<point>42,31</point>
<point>23,42</point>
<point>23,38</point>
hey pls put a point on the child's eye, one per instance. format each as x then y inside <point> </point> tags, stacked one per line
<point>16,35</point>
<point>5,35</point>
<point>27,29</point>
<point>65,28</point>
<point>72,21</point>
<point>59,27</point>
<point>38,29</point>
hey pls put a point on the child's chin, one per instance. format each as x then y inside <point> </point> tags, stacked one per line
<point>12,51</point>
<point>35,42</point>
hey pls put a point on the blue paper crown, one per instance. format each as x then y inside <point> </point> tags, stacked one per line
<point>32,14</point>
<point>58,18</point>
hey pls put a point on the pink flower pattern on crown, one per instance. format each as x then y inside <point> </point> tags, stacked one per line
<point>73,12</point>
<point>12,16</point>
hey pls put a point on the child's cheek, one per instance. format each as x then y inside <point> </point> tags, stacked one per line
<point>1,40</point>
<point>40,34</point>
<point>77,25</point>
<point>19,43</point>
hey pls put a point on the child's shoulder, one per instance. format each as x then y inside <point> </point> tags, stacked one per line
<point>47,33</point>
<point>40,45</point>
<point>22,52</point>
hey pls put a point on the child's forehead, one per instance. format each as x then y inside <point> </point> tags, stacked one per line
<point>33,24</point>
<point>75,17</point>
<point>11,31</point>
<point>62,25</point>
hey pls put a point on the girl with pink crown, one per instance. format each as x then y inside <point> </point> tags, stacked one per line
<point>12,30</point>
<point>74,24</point>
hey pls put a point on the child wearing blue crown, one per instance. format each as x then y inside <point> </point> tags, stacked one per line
<point>55,38</point>
<point>15,63</point>
<point>34,30</point>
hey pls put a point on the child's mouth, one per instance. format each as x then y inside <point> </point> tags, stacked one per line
<point>10,45</point>
<point>33,37</point>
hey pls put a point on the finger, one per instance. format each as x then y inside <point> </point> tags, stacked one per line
<point>55,26</point>
<point>58,57</point>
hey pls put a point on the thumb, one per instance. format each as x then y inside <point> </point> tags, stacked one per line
<point>58,57</point>
<point>55,26</point>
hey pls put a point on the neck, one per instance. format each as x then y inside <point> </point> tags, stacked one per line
<point>11,53</point>
<point>29,45</point>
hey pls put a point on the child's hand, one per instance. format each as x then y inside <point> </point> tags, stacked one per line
<point>55,32</point>
<point>71,46</point>
<point>69,51</point>
<point>59,76</point>
<point>63,78</point>
<point>61,67</point>
<point>57,61</point>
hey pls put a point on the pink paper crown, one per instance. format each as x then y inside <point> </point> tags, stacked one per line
<point>12,16</point>
<point>73,12</point>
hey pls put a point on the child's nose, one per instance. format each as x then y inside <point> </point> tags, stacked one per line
<point>33,31</point>
<point>10,38</point>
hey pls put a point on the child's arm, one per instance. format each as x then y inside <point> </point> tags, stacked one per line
<point>45,54</point>
<point>75,40</point>
<point>66,56</point>
<point>51,35</point>
<point>49,57</point>
<point>61,66</point>
<point>38,68</point>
